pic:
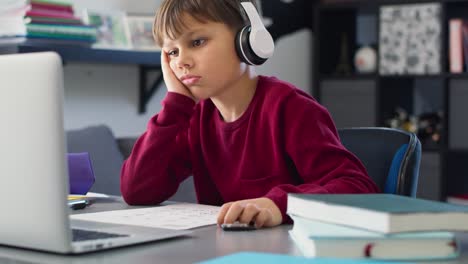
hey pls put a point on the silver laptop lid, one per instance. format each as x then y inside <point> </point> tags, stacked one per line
<point>33,168</point>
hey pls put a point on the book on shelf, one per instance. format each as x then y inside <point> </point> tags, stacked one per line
<point>8,6</point>
<point>12,26</point>
<point>50,14</point>
<point>455,45</point>
<point>62,30</point>
<point>11,18</point>
<point>64,7</point>
<point>465,42</point>
<point>64,3</point>
<point>384,213</point>
<point>320,239</point>
<point>41,40</point>
<point>57,21</point>
<point>61,39</point>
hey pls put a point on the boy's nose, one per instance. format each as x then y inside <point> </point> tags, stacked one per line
<point>184,62</point>
<point>184,65</point>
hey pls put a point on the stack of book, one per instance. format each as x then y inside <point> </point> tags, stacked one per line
<point>11,18</point>
<point>56,20</point>
<point>376,226</point>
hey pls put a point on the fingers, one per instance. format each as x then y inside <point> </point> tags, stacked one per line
<point>164,62</point>
<point>222,213</point>
<point>233,213</point>
<point>263,218</point>
<point>166,68</point>
<point>262,211</point>
<point>248,214</point>
<point>173,84</point>
<point>240,211</point>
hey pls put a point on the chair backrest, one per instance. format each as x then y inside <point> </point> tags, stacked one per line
<point>391,156</point>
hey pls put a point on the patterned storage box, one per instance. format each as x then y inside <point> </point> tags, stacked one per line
<point>410,39</point>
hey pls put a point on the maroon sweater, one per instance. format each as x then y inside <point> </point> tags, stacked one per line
<point>285,142</point>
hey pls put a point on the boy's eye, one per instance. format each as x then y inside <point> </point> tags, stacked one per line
<point>198,42</point>
<point>172,53</point>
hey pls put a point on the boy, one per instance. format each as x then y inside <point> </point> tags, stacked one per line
<point>248,140</point>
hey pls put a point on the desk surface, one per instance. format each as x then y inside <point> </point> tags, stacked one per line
<point>205,243</point>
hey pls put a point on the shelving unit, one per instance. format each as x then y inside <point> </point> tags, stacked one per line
<point>356,99</point>
<point>147,61</point>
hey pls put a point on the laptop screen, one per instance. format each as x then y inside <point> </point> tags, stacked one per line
<point>33,169</point>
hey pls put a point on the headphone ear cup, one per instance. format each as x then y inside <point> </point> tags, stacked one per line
<point>239,43</point>
<point>244,49</point>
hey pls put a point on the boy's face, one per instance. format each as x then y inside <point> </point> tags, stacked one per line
<point>207,51</point>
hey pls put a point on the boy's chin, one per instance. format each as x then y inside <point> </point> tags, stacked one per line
<point>199,96</point>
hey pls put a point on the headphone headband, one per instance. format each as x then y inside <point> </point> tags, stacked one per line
<point>252,15</point>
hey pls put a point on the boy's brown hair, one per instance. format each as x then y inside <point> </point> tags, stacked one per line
<point>169,23</point>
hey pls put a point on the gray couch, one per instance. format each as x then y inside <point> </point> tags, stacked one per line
<point>107,154</point>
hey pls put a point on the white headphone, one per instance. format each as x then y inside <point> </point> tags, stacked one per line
<point>254,44</point>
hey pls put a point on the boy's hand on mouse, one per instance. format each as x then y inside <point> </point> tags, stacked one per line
<point>172,83</point>
<point>261,211</point>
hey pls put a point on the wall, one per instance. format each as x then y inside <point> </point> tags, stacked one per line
<point>103,93</point>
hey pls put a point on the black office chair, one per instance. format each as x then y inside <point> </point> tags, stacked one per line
<point>391,156</point>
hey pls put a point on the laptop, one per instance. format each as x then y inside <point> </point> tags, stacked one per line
<point>34,181</point>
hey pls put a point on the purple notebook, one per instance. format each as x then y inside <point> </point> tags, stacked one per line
<point>80,172</point>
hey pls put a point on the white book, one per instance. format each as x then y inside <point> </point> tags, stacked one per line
<point>374,248</point>
<point>12,26</point>
<point>320,239</point>
<point>385,213</point>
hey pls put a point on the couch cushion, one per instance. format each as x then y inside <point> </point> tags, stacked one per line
<point>105,155</point>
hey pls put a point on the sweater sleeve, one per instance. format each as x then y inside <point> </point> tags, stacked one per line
<point>322,162</point>
<point>160,159</point>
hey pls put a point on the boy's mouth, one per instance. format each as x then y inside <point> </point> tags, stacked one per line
<point>190,79</point>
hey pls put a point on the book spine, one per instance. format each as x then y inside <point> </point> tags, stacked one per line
<point>62,30</point>
<point>61,37</point>
<point>455,50</point>
<point>62,8</point>
<point>50,2</point>
<point>55,21</point>
<point>50,13</point>
<point>465,42</point>
<point>377,249</point>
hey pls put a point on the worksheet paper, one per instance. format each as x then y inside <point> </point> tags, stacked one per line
<point>174,216</point>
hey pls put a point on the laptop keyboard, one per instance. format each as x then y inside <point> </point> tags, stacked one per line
<point>83,235</point>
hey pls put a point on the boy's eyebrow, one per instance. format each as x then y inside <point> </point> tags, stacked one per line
<point>184,35</point>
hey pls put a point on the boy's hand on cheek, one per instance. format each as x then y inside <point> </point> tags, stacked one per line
<point>261,211</point>
<point>172,83</point>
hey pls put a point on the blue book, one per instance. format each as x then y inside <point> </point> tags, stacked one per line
<point>320,239</point>
<point>385,213</point>
<point>256,258</point>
